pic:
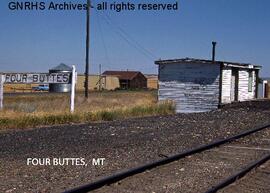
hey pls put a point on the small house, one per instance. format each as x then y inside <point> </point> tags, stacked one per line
<point>197,85</point>
<point>129,79</point>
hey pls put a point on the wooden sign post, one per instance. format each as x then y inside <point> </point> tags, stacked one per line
<point>73,84</point>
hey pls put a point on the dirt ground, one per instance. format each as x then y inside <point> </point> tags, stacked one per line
<point>123,144</point>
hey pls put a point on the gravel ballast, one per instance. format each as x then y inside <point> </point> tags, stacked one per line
<point>123,144</point>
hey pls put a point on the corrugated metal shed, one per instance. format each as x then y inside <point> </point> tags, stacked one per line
<point>197,85</point>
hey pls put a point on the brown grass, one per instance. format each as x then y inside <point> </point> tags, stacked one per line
<point>32,110</point>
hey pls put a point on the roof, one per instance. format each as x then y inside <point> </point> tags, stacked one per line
<point>62,67</point>
<point>126,75</point>
<point>193,60</point>
<point>151,76</point>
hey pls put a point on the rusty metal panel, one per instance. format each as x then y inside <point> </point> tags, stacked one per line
<point>194,87</point>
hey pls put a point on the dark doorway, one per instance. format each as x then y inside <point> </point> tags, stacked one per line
<point>266,90</point>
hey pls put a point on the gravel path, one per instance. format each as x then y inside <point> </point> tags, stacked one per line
<point>123,144</point>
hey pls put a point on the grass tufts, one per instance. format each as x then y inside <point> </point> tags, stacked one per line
<point>54,110</point>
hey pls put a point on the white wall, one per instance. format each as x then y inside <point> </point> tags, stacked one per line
<point>243,93</point>
<point>226,85</point>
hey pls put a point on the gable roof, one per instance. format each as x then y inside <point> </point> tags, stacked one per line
<point>126,75</point>
<point>193,60</point>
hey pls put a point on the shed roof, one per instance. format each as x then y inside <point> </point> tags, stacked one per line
<point>193,60</point>
<point>126,75</point>
<point>151,76</point>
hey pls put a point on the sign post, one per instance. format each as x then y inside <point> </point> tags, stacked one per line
<point>40,78</point>
<point>1,91</point>
<point>73,83</point>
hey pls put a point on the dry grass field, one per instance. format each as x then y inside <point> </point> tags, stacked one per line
<point>31,110</point>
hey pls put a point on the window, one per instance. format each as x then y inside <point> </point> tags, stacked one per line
<point>250,81</point>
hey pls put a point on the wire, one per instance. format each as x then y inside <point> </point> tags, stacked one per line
<point>125,33</point>
<point>103,39</point>
<point>126,37</point>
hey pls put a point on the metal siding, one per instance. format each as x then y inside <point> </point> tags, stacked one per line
<point>193,87</point>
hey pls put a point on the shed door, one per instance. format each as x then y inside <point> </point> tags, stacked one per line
<point>234,85</point>
<point>266,90</point>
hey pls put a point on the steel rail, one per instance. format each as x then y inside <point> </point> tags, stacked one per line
<point>130,172</point>
<point>238,175</point>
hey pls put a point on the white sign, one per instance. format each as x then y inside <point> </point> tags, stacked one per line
<point>39,78</point>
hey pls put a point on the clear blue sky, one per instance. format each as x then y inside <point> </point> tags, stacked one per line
<point>38,40</point>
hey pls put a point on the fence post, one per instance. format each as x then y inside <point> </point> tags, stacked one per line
<point>1,90</point>
<point>73,83</point>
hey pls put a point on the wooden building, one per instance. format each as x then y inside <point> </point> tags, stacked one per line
<point>197,85</point>
<point>129,79</point>
<point>96,82</point>
<point>152,81</point>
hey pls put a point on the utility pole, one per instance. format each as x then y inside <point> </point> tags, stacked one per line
<point>87,47</point>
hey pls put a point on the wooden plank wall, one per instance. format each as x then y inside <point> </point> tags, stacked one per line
<point>226,85</point>
<point>107,82</point>
<point>243,85</point>
<point>193,87</point>
<point>243,93</point>
<point>152,81</point>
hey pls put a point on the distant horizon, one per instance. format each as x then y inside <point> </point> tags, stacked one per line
<point>35,41</point>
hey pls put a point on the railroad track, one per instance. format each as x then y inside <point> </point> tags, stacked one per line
<point>214,146</point>
<point>256,180</point>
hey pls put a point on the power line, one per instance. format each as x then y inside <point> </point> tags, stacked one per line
<point>133,43</point>
<point>136,42</point>
<point>103,39</point>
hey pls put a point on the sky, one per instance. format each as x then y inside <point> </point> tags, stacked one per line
<point>37,40</point>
